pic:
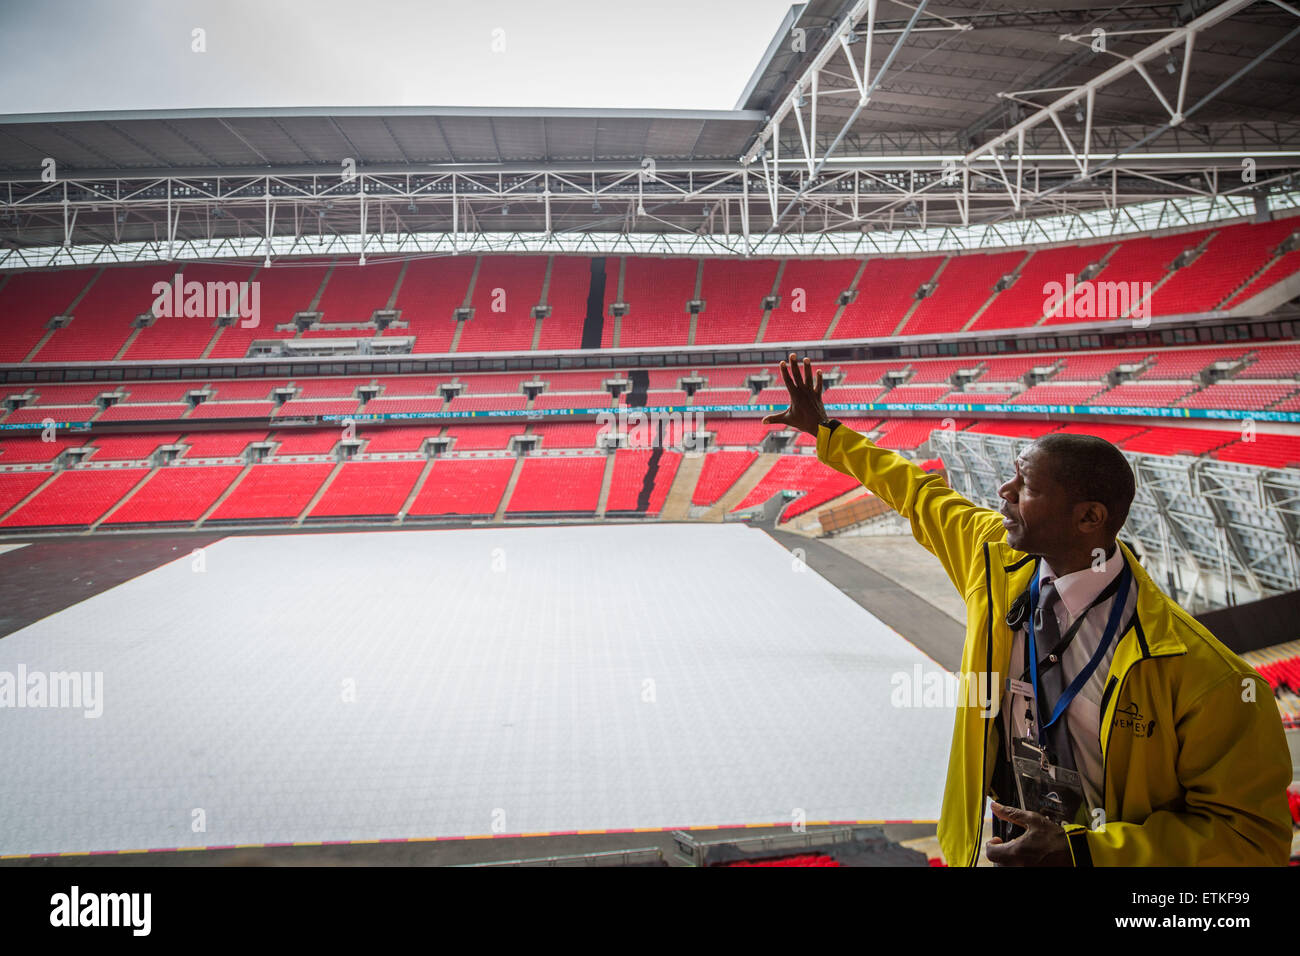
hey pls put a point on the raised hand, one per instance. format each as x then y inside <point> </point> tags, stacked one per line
<point>806,410</point>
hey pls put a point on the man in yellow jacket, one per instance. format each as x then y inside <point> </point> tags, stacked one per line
<point>1194,761</point>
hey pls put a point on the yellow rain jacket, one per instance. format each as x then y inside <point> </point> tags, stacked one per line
<point>1195,760</point>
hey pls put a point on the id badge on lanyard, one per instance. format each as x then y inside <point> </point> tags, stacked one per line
<point>1043,786</point>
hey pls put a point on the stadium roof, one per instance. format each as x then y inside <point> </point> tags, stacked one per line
<point>286,141</point>
<point>953,114</point>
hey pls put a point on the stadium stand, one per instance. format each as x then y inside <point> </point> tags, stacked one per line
<point>1024,303</point>
<point>814,286</point>
<point>29,301</point>
<point>656,292</point>
<point>272,491</point>
<point>431,292</point>
<point>964,285</point>
<point>566,294</point>
<point>505,292</point>
<point>627,484</point>
<point>465,487</point>
<point>353,293</point>
<point>129,447</point>
<point>887,290</point>
<point>285,290</point>
<point>368,489</point>
<point>733,292</point>
<point>558,485</point>
<point>720,471</point>
<point>174,495</point>
<point>102,320</point>
<point>74,498</point>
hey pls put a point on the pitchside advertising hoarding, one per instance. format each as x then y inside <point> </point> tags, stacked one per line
<point>686,411</point>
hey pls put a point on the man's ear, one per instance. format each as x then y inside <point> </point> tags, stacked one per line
<point>1091,517</point>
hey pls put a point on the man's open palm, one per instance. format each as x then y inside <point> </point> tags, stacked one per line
<point>806,410</point>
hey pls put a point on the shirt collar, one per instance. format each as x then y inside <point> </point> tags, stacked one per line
<point>1080,588</point>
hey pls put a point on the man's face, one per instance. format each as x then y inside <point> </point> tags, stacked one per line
<point>1036,510</point>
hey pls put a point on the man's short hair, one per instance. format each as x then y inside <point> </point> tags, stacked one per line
<point>1091,469</point>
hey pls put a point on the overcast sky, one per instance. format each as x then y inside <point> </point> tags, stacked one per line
<point>59,55</point>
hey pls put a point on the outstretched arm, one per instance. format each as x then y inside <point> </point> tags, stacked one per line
<point>948,525</point>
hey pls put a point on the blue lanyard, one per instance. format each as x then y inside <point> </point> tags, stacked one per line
<point>1112,626</point>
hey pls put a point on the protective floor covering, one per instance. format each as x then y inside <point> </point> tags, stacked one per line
<point>361,686</point>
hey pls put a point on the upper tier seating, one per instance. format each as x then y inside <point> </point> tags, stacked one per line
<point>186,336</point>
<point>101,322</point>
<point>1283,268</point>
<point>886,290</point>
<point>286,289</point>
<point>964,285</point>
<point>1235,264</point>
<point>354,293</point>
<point>29,300</point>
<point>813,285</point>
<point>733,292</point>
<point>431,292</point>
<point>1146,259</point>
<point>1026,302</point>
<point>505,292</point>
<point>1232,256</point>
<point>656,292</point>
<point>567,297</point>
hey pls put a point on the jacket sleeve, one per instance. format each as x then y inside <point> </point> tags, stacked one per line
<point>946,524</point>
<point>1234,764</point>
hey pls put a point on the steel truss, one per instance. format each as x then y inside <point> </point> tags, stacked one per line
<point>1212,533</point>
<point>1015,155</point>
<point>271,217</point>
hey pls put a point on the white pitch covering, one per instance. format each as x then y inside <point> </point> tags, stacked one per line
<point>506,680</point>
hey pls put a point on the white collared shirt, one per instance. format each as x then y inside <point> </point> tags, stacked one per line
<point>1083,716</point>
